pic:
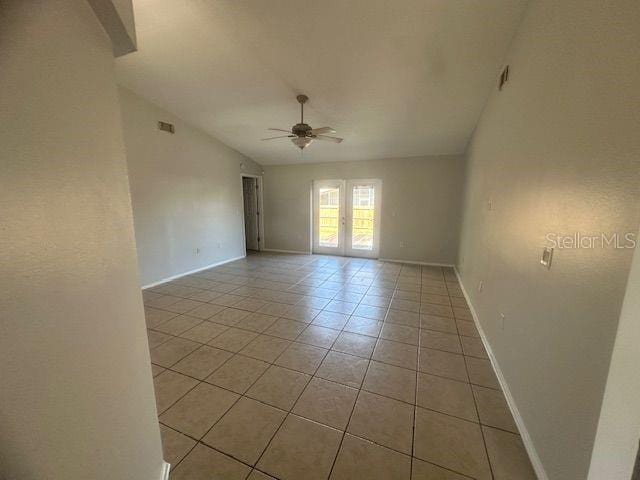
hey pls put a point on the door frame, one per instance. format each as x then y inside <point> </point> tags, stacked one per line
<point>260,212</point>
<point>346,205</point>
<point>315,206</point>
<point>377,201</point>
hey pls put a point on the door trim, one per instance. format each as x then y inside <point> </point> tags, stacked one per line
<point>260,212</point>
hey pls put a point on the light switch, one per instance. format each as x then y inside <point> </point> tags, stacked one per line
<point>547,256</point>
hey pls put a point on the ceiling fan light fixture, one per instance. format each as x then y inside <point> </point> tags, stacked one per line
<point>302,142</point>
<point>302,135</point>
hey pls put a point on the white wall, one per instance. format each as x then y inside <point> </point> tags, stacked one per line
<point>616,444</point>
<point>556,151</point>
<point>76,400</point>
<point>421,204</point>
<point>185,190</point>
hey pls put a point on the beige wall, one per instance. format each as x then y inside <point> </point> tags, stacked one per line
<point>421,202</point>
<point>616,444</point>
<point>76,400</point>
<point>556,151</point>
<point>185,190</point>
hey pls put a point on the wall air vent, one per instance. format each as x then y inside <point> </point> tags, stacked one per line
<point>635,475</point>
<point>166,127</point>
<point>504,77</point>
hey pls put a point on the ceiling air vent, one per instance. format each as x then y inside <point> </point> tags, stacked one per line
<point>166,127</point>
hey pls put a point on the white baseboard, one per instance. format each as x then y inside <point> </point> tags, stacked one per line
<point>413,262</point>
<point>522,428</point>
<point>297,252</point>
<point>164,474</point>
<point>184,274</point>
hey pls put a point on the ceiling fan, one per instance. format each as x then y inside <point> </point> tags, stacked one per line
<point>301,134</point>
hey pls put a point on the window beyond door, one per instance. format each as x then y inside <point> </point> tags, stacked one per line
<point>363,217</point>
<point>329,217</point>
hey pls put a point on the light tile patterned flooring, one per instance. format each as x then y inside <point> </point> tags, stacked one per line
<point>316,367</point>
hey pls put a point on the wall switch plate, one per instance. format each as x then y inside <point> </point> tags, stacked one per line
<point>502,317</point>
<point>547,256</point>
<point>480,286</point>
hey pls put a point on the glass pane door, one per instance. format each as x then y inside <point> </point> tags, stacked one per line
<point>328,217</point>
<point>346,217</point>
<point>363,218</point>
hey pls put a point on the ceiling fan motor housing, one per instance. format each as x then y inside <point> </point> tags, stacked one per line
<point>301,129</point>
<point>302,134</point>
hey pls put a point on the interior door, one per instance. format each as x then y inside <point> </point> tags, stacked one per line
<point>250,195</point>
<point>362,232</point>
<point>329,217</point>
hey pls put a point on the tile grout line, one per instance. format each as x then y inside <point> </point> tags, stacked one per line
<point>201,381</point>
<point>298,398</point>
<point>355,403</point>
<point>415,397</point>
<point>330,348</point>
<point>475,404</point>
<point>198,441</point>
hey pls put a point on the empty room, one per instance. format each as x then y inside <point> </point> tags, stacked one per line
<point>339,240</point>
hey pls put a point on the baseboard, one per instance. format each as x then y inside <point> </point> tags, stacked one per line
<point>273,250</point>
<point>522,428</point>
<point>164,474</point>
<point>413,262</point>
<point>184,274</point>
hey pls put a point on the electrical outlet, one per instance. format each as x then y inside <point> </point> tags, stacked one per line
<point>480,286</point>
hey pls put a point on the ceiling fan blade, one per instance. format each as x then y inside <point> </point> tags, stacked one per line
<point>322,130</point>
<point>279,130</point>
<point>329,139</point>
<point>281,136</point>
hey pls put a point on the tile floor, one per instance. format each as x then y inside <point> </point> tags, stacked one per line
<point>317,367</point>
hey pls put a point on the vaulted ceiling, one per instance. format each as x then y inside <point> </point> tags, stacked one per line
<point>395,78</point>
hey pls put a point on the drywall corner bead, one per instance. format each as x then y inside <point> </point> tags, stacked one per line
<point>115,20</point>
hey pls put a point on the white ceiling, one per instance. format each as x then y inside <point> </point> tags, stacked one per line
<point>395,78</point>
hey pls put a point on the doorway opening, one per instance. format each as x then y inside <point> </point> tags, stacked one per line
<point>346,217</point>
<point>252,203</point>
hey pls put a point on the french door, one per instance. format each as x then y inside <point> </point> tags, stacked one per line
<point>346,217</point>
